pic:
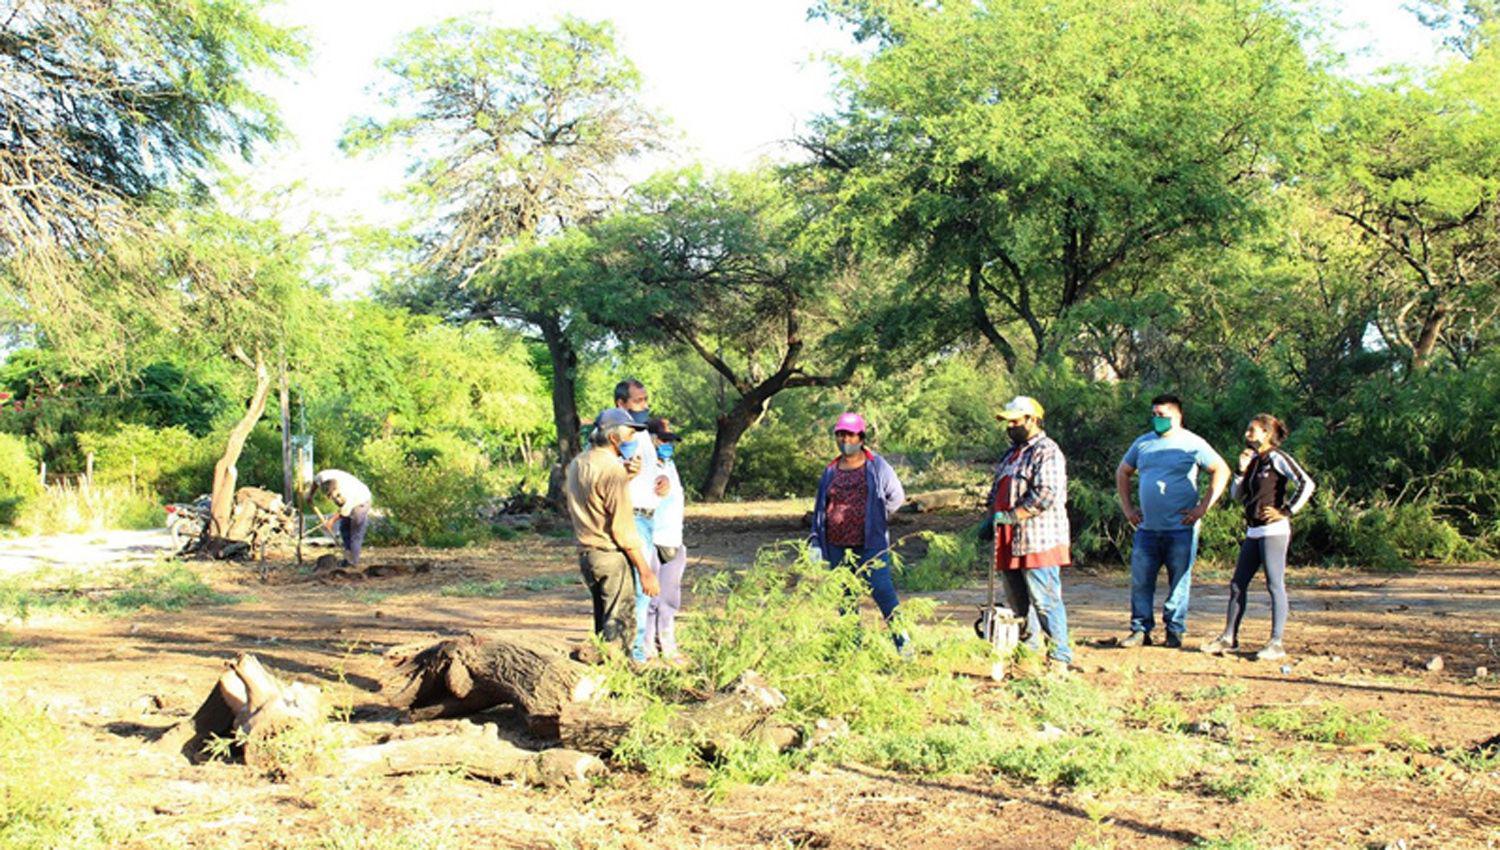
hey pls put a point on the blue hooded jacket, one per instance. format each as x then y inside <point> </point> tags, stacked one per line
<point>886,497</point>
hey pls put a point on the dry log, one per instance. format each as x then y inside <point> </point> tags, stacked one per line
<point>938,500</point>
<point>733,715</point>
<point>468,674</point>
<point>482,755</point>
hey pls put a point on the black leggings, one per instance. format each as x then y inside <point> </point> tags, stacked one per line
<point>1255,551</point>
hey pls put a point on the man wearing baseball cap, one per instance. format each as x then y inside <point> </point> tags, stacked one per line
<point>1028,521</point>
<point>857,495</point>
<point>609,546</point>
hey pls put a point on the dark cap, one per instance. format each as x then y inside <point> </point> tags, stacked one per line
<point>659,429</point>
<point>614,417</point>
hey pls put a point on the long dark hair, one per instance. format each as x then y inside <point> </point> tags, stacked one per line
<point>1271,425</point>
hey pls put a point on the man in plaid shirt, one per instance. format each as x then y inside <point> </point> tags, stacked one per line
<point>1028,520</point>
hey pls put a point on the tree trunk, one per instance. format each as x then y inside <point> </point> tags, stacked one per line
<point>564,402</point>
<point>466,675</point>
<point>1432,333</point>
<point>221,504</point>
<point>731,428</point>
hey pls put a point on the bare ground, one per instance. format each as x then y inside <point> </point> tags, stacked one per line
<point>1360,640</point>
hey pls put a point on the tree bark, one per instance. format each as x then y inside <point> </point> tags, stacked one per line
<point>249,703</point>
<point>221,505</point>
<point>462,676</point>
<point>564,401</point>
<point>731,428</point>
<point>1427,340</point>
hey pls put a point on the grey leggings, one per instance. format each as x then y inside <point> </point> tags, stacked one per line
<point>1255,551</point>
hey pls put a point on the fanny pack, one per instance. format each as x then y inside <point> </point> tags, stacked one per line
<point>666,553</point>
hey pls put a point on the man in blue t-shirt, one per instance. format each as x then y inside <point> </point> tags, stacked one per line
<point>1166,525</point>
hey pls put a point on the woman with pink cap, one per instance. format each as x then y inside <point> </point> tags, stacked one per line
<point>851,515</point>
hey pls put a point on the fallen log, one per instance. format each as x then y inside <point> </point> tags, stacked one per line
<point>743,711</point>
<point>465,675</point>
<point>481,756</point>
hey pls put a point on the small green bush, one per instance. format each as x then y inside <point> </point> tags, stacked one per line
<point>169,461</point>
<point>431,489</point>
<point>19,481</point>
<point>951,561</point>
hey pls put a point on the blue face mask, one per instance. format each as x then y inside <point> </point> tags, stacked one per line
<point>627,449</point>
<point>640,416</point>
<point>665,451</point>
<point>849,449</point>
<point>1161,424</point>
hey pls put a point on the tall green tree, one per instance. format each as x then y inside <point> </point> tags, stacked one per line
<point>516,136</point>
<point>108,103</point>
<point>1415,170</point>
<point>746,273</point>
<point>1029,153</point>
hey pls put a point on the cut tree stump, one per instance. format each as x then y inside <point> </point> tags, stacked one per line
<point>739,713</point>
<point>247,703</point>
<point>468,674</point>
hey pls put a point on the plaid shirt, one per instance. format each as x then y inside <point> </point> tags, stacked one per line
<point>1039,483</point>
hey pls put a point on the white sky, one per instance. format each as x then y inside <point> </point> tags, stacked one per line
<point>735,77</point>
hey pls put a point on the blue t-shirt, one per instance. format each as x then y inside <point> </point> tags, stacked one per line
<point>1168,468</point>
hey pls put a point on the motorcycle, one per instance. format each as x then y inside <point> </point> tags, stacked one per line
<point>187,519</point>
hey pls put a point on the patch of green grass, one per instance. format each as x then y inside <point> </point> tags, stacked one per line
<point>1295,773</point>
<point>1237,841</point>
<point>1215,693</point>
<point>1477,759</point>
<point>1163,712</point>
<point>551,581</point>
<point>356,836</point>
<point>1331,725</point>
<point>166,586</point>
<point>1123,760</point>
<point>476,589</point>
<point>38,788</point>
<point>12,651</point>
<point>365,596</point>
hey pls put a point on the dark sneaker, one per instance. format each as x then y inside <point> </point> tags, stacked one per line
<point>1220,645</point>
<point>1174,640</point>
<point>1272,652</point>
<point>1136,639</point>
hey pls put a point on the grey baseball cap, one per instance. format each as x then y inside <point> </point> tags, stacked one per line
<point>614,417</point>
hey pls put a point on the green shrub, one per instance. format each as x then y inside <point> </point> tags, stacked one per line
<point>38,789</point>
<point>170,461</point>
<point>775,462</point>
<point>19,481</point>
<point>431,489</point>
<point>951,561</point>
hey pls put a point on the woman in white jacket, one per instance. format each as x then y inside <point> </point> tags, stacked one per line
<point>670,554</point>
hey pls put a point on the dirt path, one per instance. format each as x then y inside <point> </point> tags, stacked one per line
<point>1359,640</point>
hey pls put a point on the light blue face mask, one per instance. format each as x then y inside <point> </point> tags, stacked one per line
<point>665,451</point>
<point>627,449</point>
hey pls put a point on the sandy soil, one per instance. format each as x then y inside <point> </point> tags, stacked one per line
<point>1359,639</point>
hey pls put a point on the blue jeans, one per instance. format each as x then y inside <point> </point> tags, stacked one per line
<point>1036,596</point>
<point>882,587</point>
<point>642,601</point>
<point>352,532</point>
<point>1176,549</point>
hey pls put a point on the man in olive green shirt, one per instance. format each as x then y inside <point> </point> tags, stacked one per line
<point>611,554</point>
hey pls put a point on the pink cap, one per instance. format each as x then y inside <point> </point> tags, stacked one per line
<point>851,422</point>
